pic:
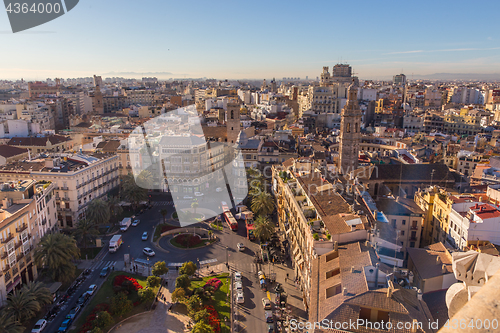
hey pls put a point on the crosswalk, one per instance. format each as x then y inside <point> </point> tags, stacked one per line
<point>102,264</point>
<point>163,203</point>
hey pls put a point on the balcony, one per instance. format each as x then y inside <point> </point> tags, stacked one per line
<point>8,239</point>
<point>7,268</point>
<point>64,188</point>
<point>4,255</point>
<point>20,256</point>
<point>22,227</point>
<point>17,245</point>
<point>413,238</point>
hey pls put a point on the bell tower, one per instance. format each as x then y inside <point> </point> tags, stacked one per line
<point>350,136</point>
<point>233,120</point>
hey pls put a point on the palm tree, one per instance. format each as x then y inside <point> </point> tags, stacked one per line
<point>164,213</point>
<point>145,180</point>
<point>9,325</point>
<point>37,290</point>
<point>114,206</point>
<point>98,212</point>
<point>195,205</point>
<point>85,231</point>
<point>263,228</point>
<point>131,192</point>
<point>21,306</point>
<point>55,252</point>
<point>262,204</point>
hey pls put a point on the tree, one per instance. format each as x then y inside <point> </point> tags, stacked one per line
<point>194,304</point>
<point>153,281</point>
<point>188,268</point>
<point>40,293</point>
<point>202,315</point>
<point>21,306</point>
<point>9,325</point>
<point>202,327</point>
<point>146,294</point>
<point>195,205</point>
<point>182,281</point>
<point>121,305</point>
<point>55,252</point>
<point>164,213</point>
<point>103,319</point>
<point>263,228</point>
<point>85,232</point>
<point>98,212</point>
<point>114,206</point>
<point>132,192</point>
<point>262,204</point>
<point>96,330</point>
<point>179,295</point>
<point>159,268</point>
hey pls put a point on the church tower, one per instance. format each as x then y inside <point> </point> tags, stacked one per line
<point>233,120</point>
<point>350,136</point>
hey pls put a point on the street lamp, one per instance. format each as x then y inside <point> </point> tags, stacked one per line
<point>227,257</point>
<point>148,265</point>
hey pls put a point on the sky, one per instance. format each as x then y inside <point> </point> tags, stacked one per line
<point>256,39</point>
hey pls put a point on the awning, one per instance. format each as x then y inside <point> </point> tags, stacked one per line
<point>262,281</point>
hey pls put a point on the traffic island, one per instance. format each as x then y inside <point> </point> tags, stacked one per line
<point>190,241</point>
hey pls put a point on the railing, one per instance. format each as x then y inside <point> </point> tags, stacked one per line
<point>413,238</point>
<point>64,188</point>
<point>17,245</point>
<point>414,227</point>
<point>20,256</point>
<point>6,269</point>
<point>21,228</point>
<point>8,239</point>
<point>4,255</point>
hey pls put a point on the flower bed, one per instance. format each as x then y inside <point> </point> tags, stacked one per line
<point>121,279</point>
<point>165,228</point>
<point>213,282</point>
<point>88,325</point>
<point>213,319</point>
<point>187,240</point>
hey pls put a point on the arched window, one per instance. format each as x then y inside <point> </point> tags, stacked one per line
<point>232,114</point>
<point>356,128</point>
<point>348,129</point>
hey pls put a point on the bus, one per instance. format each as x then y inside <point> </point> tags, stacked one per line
<point>231,221</point>
<point>250,234</point>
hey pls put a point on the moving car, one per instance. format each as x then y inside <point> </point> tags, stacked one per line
<point>198,194</point>
<point>145,235</point>
<point>218,189</point>
<point>241,247</point>
<point>65,325</point>
<point>39,326</point>
<point>104,272</point>
<point>187,197</point>
<point>91,289</point>
<point>73,312</point>
<point>148,251</point>
<point>266,303</point>
<point>135,223</point>
<point>240,299</point>
<point>237,276</point>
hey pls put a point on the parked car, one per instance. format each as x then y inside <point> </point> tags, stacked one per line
<point>39,326</point>
<point>145,235</point>
<point>266,303</point>
<point>91,289</point>
<point>148,251</point>
<point>198,194</point>
<point>73,312</point>
<point>241,247</point>
<point>65,325</point>
<point>135,223</point>
<point>269,317</point>
<point>238,286</point>
<point>237,276</point>
<point>83,299</point>
<point>240,299</point>
<point>270,328</point>
<point>104,272</point>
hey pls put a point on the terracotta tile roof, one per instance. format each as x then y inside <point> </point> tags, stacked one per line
<point>426,263</point>
<point>38,141</point>
<point>10,151</point>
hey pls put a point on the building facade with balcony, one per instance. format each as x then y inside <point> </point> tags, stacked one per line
<point>77,179</point>
<point>313,218</point>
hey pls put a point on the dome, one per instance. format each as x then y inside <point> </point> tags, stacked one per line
<point>242,138</point>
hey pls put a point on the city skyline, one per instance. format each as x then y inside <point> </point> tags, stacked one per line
<point>234,41</point>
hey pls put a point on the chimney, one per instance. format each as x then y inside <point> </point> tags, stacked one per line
<point>49,163</point>
<point>438,260</point>
<point>344,291</point>
<point>389,291</point>
<point>443,269</point>
<point>419,294</point>
<point>352,269</point>
<point>476,206</point>
<point>367,243</point>
<point>414,326</point>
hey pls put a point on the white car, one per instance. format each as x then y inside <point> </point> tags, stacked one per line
<point>135,223</point>
<point>240,299</point>
<point>187,197</point>
<point>238,286</point>
<point>241,247</point>
<point>266,303</point>
<point>198,194</point>
<point>148,251</point>
<point>237,276</point>
<point>91,289</point>
<point>145,235</point>
<point>218,189</point>
<point>39,326</point>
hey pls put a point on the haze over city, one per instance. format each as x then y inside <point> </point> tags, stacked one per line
<point>237,40</point>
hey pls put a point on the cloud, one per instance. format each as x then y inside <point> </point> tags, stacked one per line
<point>446,50</point>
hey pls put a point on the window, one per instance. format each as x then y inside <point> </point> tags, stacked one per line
<point>403,222</point>
<point>402,232</point>
<point>332,291</point>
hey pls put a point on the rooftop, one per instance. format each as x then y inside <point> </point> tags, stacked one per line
<point>426,262</point>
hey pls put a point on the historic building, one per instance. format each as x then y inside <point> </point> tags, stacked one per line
<point>350,136</point>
